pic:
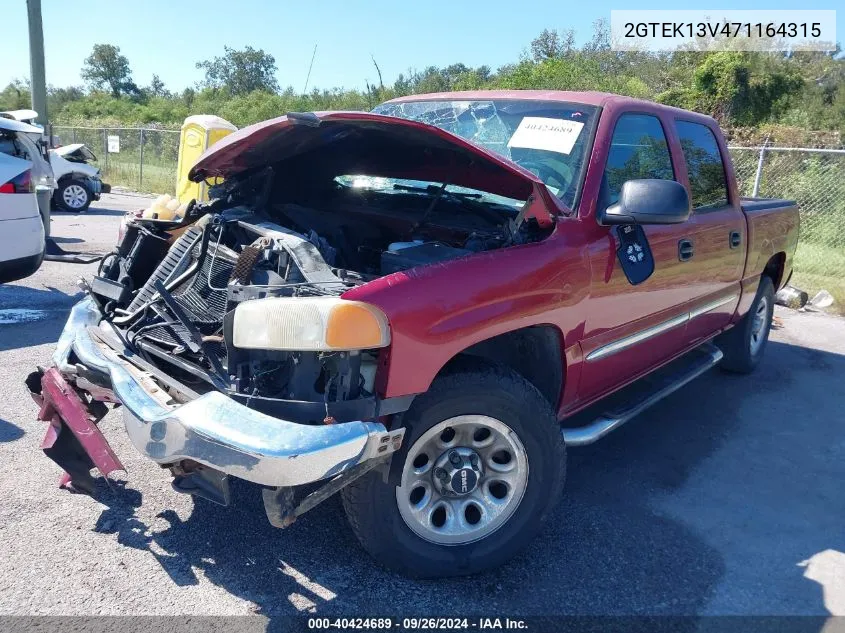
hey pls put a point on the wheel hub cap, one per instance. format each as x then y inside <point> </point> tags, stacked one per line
<point>462,480</point>
<point>74,196</point>
<point>457,472</point>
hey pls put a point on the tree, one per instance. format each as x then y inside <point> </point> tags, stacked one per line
<point>58,98</point>
<point>15,96</point>
<point>240,72</point>
<point>106,67</point>
<point>157,88</point>
<point>552,44</point>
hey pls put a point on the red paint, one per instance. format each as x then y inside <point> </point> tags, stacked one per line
<point>60,404</point>
<point>572,281</point>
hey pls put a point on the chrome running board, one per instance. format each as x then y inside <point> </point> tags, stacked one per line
<point>705,357</point>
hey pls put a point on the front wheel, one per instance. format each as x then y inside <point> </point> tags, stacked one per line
<point>482,464</point>
<point>73,195</point>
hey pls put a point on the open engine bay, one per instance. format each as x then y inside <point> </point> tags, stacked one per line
<point>170,289</point>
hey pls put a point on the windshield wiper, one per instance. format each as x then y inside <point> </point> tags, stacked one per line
<point>435,190</point>
<point>470,201</point>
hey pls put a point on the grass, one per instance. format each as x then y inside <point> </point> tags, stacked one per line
<point>819,267</point>
<point>157,178</point>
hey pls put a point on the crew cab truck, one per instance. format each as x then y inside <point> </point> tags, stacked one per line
<point>413,306</point>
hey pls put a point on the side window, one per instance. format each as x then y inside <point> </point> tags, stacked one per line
<point>708,185</point>
<point>638,150</point>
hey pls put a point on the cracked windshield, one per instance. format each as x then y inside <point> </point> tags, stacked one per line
<point>547,139</point>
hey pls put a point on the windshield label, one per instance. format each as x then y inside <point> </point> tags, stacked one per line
<point>553,135</point>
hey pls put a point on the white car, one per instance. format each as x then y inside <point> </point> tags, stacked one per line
<point>21,139</point>
<point>78,183</point>
<point>21,229</point>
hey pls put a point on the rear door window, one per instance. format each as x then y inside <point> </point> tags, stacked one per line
<point>638,150</point>
<point>708,184</point>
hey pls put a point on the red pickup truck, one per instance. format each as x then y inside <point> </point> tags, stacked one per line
<point>421,307</point>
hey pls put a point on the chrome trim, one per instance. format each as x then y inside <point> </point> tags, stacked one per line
<point>214,429</point>
<point>607,422</point>
<point>707,307</point>
<point>639,337</point>
<point>654,330</point>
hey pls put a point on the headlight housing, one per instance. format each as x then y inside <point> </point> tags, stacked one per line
<point>309,324</point>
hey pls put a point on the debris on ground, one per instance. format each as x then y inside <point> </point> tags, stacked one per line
<point>823,299</point>
<point>791,297</point>
<point>54,253</point>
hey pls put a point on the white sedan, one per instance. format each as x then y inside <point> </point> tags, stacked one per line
<point>21,229</point>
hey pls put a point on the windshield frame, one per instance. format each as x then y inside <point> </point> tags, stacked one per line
<point>590,127</point>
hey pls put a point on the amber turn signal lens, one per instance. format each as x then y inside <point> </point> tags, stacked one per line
<point>355,326</point>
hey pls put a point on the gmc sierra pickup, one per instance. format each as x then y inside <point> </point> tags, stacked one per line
<point>421,307</point>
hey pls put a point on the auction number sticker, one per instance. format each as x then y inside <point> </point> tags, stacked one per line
<point>553,135</point>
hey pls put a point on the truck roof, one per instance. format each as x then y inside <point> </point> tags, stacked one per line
<point>593,98</point>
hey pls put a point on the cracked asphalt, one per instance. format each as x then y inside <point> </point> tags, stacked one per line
<point>725,498</point>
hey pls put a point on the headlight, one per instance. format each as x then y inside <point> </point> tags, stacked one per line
<point>309,324</point>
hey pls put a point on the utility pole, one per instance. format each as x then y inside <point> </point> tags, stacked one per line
<point>36,62</point>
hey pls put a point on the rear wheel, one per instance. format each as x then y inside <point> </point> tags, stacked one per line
<point>744,344</point>
<point>482,464</point>
<point>73,195</point>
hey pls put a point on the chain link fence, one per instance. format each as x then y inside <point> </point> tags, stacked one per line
<point>142,159</point>
<point>815,178</point>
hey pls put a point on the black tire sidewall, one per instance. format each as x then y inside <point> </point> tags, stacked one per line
<point>384,532</point>
<point>766,289</point>
<point>60,201</point>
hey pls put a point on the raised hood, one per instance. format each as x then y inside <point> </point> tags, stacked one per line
<point>352,143</point>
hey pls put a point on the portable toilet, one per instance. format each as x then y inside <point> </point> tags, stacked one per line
<point>199,132</point>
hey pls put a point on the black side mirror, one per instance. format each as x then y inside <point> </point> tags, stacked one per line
<point>648,201</point>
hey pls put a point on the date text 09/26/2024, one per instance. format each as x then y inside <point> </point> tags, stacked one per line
<point>418,624</point>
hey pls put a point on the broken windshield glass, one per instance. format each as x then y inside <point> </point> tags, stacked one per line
<point>549,139</point>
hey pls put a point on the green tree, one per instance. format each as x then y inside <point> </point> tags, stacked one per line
<point>16,96</point>
<point>240,72</point>
<point>157,88</point>
<point>105,67</point>
<point>551,44</point>
<point>58,98</point>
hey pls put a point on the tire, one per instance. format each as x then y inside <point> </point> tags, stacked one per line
<point>744,344</point>
<point>470,398</point>
<point>73,196</point>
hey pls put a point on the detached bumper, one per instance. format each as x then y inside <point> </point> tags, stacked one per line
<point>213,429</point>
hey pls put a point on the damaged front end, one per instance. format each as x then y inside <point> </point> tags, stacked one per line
<point>225,336</point>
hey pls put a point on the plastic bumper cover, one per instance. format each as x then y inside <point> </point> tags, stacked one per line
<point>213,429</point>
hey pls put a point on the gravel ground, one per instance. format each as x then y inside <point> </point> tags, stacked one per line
<point>726,498</point>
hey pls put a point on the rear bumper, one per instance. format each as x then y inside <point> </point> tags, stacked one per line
<point>213,429</point>
<point>14,269</point>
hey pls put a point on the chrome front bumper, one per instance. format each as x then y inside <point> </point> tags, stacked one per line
<point>215,430</point>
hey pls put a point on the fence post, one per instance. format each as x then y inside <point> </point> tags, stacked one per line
<point>141,159</point>
<point>105,150</point>
<point>74,134</point>
<point>759,174</point>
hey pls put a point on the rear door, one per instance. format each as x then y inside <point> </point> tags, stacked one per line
<point>719,230</point>
<point>632,328</point>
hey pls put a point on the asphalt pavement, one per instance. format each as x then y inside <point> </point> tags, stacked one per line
<point>725,498</point>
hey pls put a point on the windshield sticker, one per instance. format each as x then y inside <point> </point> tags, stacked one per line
<point>553,135</point>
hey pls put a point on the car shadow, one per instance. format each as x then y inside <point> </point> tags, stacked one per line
<point>618,544</point>
<point>10,432</point>
<point>32,316</point>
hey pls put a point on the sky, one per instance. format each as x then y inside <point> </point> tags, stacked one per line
<point>168,37</point>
